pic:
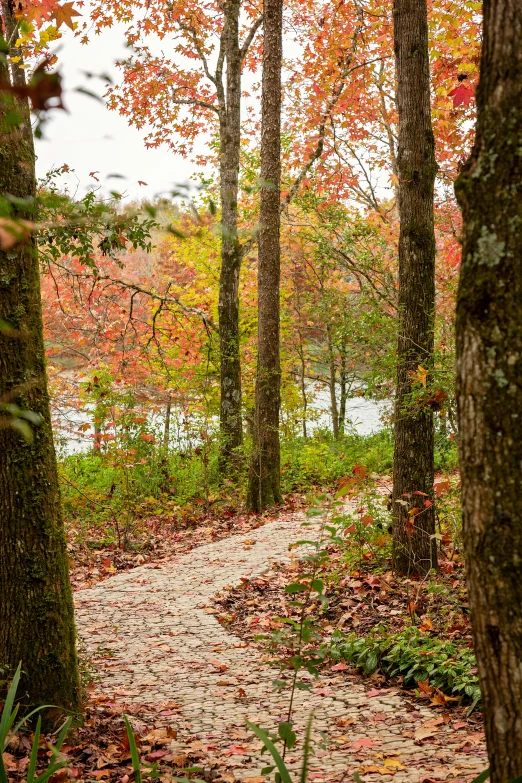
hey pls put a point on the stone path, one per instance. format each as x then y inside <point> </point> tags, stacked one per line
<point>154,642</point>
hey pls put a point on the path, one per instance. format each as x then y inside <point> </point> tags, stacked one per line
<point>153,640</point>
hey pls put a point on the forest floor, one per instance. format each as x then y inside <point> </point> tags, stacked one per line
<point>188,683</point>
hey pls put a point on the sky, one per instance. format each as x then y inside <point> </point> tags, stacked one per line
<point>90,138</point>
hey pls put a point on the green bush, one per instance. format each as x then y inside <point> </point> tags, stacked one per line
<point>320,460</point>
<point>415,656</point>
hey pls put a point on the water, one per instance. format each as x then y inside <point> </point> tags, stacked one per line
<point>74,431</point>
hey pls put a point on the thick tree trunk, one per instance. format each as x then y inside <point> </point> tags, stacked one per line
<point>489,383</point>
<point>414,551</point>
<point>36,612</point>
<point>231,430</point>
<point>265,467</point>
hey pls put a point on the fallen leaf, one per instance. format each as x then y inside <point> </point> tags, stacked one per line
<point>425,731</point>
<point>364,742</point>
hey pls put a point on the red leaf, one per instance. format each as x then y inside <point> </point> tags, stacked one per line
<point>365,742</point>
<point>461,95</point>
<point>141,182</point>
<point>374,692</point>
<point>236,750</point>
<point>339,667</point>
<point>156,754</point>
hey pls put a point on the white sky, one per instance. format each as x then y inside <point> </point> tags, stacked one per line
<point>89,137</point>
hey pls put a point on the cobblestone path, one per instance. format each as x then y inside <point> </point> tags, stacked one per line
<point>154,642</point>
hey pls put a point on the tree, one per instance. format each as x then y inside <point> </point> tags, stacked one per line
<point>489,383</point>
<point>414,548</point>
<point>36,610</point>
<point>179,103</point>
<point>265,468</point>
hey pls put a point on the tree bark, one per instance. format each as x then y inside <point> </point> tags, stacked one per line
<point>489,383</point>
<point>231,430</point>
<point>414,551</point>
<point>36,611</point>
<point>265,467</point>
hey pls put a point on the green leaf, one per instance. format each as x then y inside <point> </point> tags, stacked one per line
<point>7,720</point>
<point>280,764</point>
<point>306,749</point>
<point>287,734</point>
<point>34,753</point>
<point>296,587</point>
<point>482,777</point>
<point>135,756</point>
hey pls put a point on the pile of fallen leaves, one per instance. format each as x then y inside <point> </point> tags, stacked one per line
<point>357,601</point>
<point>99,749</point>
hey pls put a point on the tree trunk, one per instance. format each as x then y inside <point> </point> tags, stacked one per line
<point>166,431</point>
<point>302,383</point>
<point>414,551</point>
<point>344,392</point>
<point>489,383</point>
<point>36,611</point>
<point>231,431</point>
<point>265,468</point>
<point>333,398</point>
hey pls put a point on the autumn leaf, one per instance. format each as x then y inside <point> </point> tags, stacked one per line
<point>364,742</point>
<point>426,625</point>
<point>461,95</point>
<point>63,14</point>
<point>440,487</point>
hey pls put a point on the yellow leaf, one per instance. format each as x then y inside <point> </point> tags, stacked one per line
<point>393,763</point>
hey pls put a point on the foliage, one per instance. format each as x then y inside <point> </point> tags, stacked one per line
<point>417,657</point>
<point>8,730</point>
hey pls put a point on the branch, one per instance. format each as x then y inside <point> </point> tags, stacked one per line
<point>195,102</point>
<point>201,54</point>
<point>250,37</point>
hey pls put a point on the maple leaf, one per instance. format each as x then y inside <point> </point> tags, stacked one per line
<point>440,487</point>
<point>461,95</point>
<point>63,14</point>
<point>364,742</point>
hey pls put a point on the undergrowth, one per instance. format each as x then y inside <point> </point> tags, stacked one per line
<point>419,659</point>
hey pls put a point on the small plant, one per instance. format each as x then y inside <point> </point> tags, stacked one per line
<point>8,730</point>
<point>283,775</point>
